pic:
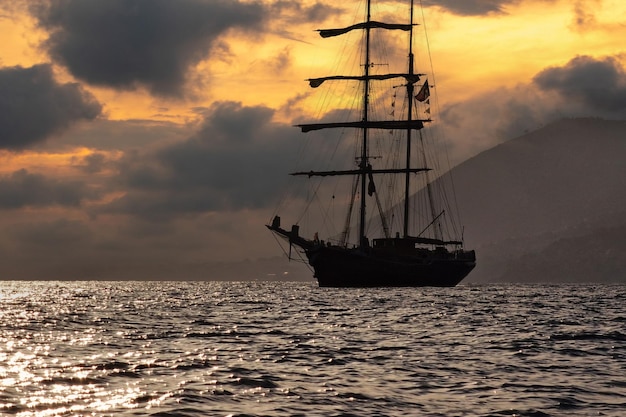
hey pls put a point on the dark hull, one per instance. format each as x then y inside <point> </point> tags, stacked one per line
<point>340,267</point>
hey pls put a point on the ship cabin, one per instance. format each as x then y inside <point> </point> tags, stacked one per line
<point>407,246</point>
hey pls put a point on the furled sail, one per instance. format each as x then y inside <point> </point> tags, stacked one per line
<point>410,78</point>
<point>358,171</point>
<point>369,124</point>
<point>327,33</point>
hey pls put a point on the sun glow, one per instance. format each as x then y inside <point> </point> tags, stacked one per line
<point>61,163</point>
<point>20,40</point>
<point>512,48</point>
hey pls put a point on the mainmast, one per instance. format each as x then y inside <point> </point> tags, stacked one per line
<point>363,165</point>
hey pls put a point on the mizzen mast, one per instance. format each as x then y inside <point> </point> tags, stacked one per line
<point>409,92</point>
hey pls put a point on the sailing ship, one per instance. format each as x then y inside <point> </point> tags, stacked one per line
<point>396,258</point>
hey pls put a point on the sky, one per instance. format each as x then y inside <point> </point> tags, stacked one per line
<point>138,137</point>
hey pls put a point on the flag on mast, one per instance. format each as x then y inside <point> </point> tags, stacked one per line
<point>424,92</point>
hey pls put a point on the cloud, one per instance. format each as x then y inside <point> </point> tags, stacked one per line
<point>599,84</point>
<point>33,106</point>
<point>471,7</point>
<point>153,43</point>
<point>59,233</point>
<point>10,8</point>
<point>279,63</point>
<point>24,189</point>
<point>93,163</point>
<point>584,17</point>
<point>492,117</point>
<point>118,135</point>
<point>236,160</point>
<point>317,12</point>
<point>584,87</point>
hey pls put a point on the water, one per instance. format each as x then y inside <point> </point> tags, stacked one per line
<point>205,349</point>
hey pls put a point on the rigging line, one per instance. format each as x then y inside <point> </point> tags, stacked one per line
<point>351,105</point>
<point>383,218</point>
<point>453,223</point>
<point>445,146</point>
<point>309,201</point>
<point>336,185</point>
<point>392,190</point>
<point>329,225</point>
<point>281,202</point>
<point>323,212</point>
<point>315,197</point>
<point>327,222</point>
<point>345,234</point>
<point>433,222</point>
<point>287,253</point>
<point>429,191</point>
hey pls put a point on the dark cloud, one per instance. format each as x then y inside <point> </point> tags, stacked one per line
<point>152,43</point>
<point>93,163</point>
<point>236,160</point>
<point>118,135</point>
<point>583,10</point>
<point>318,12</point>
<point>33,106</point>
<point>471,7</point>
<point>25,189</point>
<point>599,84</point>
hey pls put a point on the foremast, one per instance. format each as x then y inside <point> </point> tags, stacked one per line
<point>365,169</point>
<point>364,150</point>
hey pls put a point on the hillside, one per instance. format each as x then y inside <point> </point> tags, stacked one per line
<point>549,205</point>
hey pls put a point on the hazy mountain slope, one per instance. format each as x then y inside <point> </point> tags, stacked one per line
<point>597,257</point>
<point>558,187</point>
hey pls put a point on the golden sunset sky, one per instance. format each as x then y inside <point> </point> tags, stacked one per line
<point>144,138</point>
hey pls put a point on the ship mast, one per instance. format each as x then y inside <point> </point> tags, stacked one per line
<point>409,92</point>
<point>364,151</point>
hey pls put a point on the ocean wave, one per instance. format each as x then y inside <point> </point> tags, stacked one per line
<point>129,349</point>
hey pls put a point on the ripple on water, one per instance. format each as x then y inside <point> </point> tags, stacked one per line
<point>195,349</point>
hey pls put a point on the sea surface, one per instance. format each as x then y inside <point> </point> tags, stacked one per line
<point>292,349</point>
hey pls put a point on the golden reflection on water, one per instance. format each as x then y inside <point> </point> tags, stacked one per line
<point>44,383</point>
<point>82,398</point>
<point>60,399</point>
